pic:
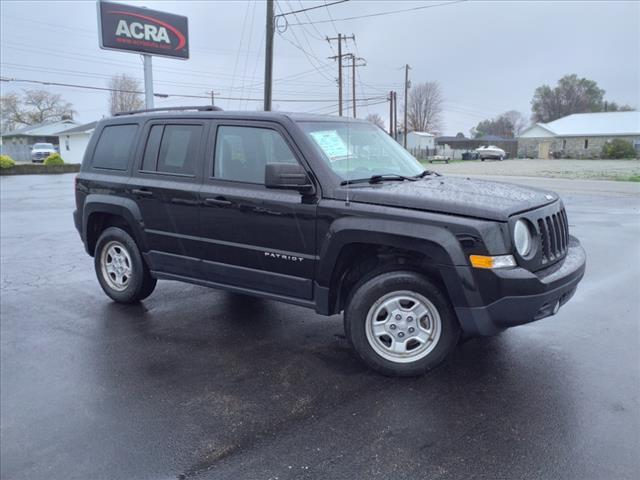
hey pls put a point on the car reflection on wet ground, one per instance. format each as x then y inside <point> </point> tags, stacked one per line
<point>195,383</point>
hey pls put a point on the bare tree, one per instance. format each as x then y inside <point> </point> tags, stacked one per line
<point>34,106</point>
<point>507,125</point>
<point>10,113</point>
<point>424,110</point>
<point>376,119</point>
<point>517,121</point>
<point>125,94</point>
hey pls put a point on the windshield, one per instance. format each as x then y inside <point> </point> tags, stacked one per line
<point>360,150</point>
<point>43,146</point>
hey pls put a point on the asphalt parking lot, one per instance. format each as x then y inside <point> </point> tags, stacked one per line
<point>195,383</point>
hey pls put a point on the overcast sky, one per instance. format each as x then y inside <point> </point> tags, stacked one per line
<point>487,56</point>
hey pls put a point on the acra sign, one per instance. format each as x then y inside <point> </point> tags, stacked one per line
<point>134,29</point>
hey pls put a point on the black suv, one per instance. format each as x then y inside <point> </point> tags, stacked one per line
<point>324,212</point>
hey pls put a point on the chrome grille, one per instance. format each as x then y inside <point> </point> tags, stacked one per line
<point>554,236</point>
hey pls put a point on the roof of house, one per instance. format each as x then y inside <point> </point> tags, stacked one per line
<point>495,138</point>
<point>465,140</point>
<point>86,128</point>
<point>41,129</point>
<point>600,123</point>
<point>422,134</point>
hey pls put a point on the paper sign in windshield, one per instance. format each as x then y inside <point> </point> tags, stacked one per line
<point>331,143</point>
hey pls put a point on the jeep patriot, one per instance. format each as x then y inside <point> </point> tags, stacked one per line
<point>324,212</point>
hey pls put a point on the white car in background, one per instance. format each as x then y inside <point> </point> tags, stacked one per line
<point>40,151</point>
<point>491,152</point>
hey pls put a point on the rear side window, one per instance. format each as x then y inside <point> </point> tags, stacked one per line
<point>114,147</point>
<point>172,149</point>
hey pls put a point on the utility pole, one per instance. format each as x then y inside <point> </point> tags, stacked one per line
<point>395,115</point>
<point>268,57</point>
<point>354,59</point>
<point>212,98</point>
<point>340,38</point>
<point>406,93</point>
<point>391,113</point>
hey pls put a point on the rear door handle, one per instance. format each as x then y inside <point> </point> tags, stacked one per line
<point>219,201</point>
<point>142,193</point>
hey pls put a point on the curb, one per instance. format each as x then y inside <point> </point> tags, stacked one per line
<point>35,169</point>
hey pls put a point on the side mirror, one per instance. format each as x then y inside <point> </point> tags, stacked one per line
<point>290,176</point>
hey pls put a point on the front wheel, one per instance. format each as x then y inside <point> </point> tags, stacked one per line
<point>401,324</point>
<point>121,271</point>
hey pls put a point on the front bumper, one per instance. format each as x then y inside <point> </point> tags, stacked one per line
<point>525,296</point>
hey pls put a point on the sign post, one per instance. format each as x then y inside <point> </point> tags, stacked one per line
<point>141,30</point>
<point>148,82</point>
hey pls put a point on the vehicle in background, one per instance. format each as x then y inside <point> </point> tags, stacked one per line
<point>40,151</point>
<point>491,152</point>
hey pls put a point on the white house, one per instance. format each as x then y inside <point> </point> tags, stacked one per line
<point>581,135</point>
<point>419,141</point>
<point>74,141</point>
<point>17,143</point>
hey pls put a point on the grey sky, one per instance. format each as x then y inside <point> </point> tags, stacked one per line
<point>488,56</point>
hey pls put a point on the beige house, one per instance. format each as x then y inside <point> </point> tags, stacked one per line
<point>581,135</point>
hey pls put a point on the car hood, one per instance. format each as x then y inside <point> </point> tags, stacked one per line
<point>455,195</point>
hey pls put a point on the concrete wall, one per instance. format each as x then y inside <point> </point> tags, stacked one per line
<point>567,147</point>
<point>72,147</point>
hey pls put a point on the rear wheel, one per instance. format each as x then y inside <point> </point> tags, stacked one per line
<point>401,324</point>
<point>121,271</point>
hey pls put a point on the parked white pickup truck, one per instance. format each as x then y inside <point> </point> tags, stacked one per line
<point>40,151</point>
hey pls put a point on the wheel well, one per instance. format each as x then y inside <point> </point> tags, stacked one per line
<point>99,222</point>
<point>358,261</point>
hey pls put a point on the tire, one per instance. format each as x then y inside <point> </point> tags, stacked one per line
<point>120,269</point>
<point>386,304</point>
<point>482,159</point>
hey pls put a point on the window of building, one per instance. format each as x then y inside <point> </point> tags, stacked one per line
<point>172,149</point>
<point>564,144</point>
<point>114,147</point>
<point>66,143</point>
<point>243,152</point>
<point>586,143</point>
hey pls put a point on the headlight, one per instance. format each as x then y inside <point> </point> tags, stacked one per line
<point>522,238</point>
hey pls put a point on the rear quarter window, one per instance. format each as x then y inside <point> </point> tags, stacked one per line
<point>114,149</point>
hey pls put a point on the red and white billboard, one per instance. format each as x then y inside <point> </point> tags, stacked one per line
<point>142,30</point>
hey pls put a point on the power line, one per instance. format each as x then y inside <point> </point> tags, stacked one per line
<point>246,58</point>
<point>310,8</point>
<point>330,17</point>
<point>106,89</point>
<point>379,13</point>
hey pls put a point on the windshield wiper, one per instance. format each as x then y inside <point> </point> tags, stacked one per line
<point>427,172</point>
<point>378,179</point>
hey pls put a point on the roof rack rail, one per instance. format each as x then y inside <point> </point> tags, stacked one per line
<point>201,108</point>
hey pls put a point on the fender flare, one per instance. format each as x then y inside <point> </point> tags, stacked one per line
<point>122,207</point>
<point>435,242</point>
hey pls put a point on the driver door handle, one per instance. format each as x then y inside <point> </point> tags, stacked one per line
<point>142,193</point>
<point>217,202</point>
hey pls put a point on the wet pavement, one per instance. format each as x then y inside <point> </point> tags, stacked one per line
<point>195,383</point>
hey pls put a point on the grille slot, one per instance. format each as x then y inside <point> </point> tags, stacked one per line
<point>554,236</point>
